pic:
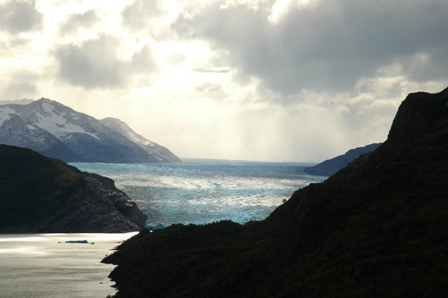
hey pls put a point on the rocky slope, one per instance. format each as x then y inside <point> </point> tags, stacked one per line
<point>15,131</point>
<point>377,228</point>
<point>55,130</point>
<point>331,166</point>
<point>159,152</point>
<point>45,195</point>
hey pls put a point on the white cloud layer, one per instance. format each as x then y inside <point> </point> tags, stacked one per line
<point>299,80</point>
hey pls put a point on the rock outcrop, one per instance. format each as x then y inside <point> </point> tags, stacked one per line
<point>421,118</point>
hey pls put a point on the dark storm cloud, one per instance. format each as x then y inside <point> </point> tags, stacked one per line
<point>80,20</point>
<point>94,64</point>
<point>16,17</point>
<point>424,68</point>
<point>328,45</point>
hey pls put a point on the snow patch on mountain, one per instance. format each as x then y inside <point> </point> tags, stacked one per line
<point>5,114</point>
<point>56,122</point>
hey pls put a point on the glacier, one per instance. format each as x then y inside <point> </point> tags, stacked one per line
<point>202,191</point>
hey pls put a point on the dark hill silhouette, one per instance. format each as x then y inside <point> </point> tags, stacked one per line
<point>377,228</point>
<point>45,195</point>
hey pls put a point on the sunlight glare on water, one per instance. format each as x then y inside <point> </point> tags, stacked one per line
<point>45,266</point>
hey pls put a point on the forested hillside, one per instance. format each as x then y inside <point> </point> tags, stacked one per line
<point>377,228</point>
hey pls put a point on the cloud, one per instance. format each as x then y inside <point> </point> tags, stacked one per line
<point>140,12</point>
<point>19,16</point>
<point>19,84</point>
<point>18,90</point>
<point>96,64</point>
<point>176,58</point>
<point>76,21</point>
<point>149,18</point>
<point>211,70</point>
<point>92,64</point>
<point>325,46</point>
<point>142,61</point>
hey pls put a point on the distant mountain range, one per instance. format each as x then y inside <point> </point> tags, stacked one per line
<point>58,131</point>
<point>331,166</point>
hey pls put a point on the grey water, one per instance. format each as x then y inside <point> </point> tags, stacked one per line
<point>199,191</point>
<point>45,266</point>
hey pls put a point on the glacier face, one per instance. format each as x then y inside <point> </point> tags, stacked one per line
<point>55,130</point>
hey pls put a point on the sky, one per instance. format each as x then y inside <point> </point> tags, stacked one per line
<point>268,80</point>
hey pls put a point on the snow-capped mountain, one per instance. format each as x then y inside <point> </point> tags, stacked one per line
<point>55,130</point>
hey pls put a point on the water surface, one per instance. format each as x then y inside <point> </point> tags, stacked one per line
<point>43,265</point>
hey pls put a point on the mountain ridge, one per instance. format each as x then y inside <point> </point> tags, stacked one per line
<point>332,165</point>
<point>160,152</point>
